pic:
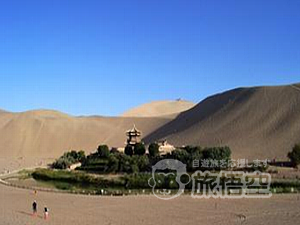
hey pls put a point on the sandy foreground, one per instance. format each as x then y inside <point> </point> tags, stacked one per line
<point>15,208</point>
<point>68,209</point>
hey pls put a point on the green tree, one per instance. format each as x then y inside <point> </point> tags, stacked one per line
<point>73,154</point>
<point>81,156</point>
<point>195,154</point>
<point>114,151</point>
<point>192,149</point>
<point>218,153</point>
<point>141,161</point>
<point>68,159</point>
<point>139,149</point>
<point>128,164</point>
<point>103,151</point>
<point>113,163</point>
<point>294,155</point>
<point>153,150</point>
<point>181,155</point>
<point>61,163</point>
<point>128,150</point>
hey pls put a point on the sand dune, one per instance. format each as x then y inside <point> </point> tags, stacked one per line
<point>159,109</point>
<point>257,123</point>
<point>46,133</point>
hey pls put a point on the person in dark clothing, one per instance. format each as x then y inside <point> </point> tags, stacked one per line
<point>34,208</point>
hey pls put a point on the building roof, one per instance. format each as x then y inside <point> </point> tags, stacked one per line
<point>134,130</point>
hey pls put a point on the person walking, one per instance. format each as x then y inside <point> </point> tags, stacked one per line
<point>46,213</point>
<point>34,208</point>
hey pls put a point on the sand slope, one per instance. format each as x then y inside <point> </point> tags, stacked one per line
<point>45,133</point>
<point>159,109</point>
<point>257,123</point>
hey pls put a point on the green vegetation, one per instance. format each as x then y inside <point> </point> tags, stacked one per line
<point>294,155</point>
<point>217,153</point>
<point>74,177</point>
<point>128,150</point>
<point>153,150</point>
<point>135,160</point>
<point>139,149</point>
<point>189,154</point>
<point>286,184</point>
<point>103,151</point>
<point>134,169</point>
<point>67,180</point>
<point>129,181</point>
<point>68,159</point>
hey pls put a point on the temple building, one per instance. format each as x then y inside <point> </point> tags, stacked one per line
<point>133,136</point>
<point>165,147</point>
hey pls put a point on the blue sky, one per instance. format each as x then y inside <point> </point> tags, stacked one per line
<point>103,57</point>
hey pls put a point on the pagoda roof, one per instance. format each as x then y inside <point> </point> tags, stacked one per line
<point>133,130</point>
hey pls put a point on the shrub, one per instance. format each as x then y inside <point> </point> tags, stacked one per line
<point>113,163</point>
<point>136,180</point>
<point>192,149</point>
<point>128,150</point>
<point>77,156</point>
<point>81,156</point>
<point>73,178</point>
<point>62,163</point>
<point>114,151</point>
<point>218,153</point>
<point>139,149</point>
<point>294,155</point>
<point>128,164</point>
<point>142,162</point>
<point>68,159</point>
<point>195,154</point>
<point>181,155</point>
<point>153,150</point>
<point>103,151</point>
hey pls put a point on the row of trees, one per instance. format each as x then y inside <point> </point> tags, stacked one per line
<point>188,155</point>
<point>112,161</point>
<point>140,149</point>
<point>135,160</point>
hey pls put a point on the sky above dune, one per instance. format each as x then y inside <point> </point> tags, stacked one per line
<point>104,57</point>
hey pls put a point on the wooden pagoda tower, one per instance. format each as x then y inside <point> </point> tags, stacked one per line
<point>133,136</point>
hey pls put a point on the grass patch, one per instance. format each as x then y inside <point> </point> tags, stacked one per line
<point>75,178</point>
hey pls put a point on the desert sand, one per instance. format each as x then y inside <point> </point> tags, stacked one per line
<point>257,122</point>
<point>160,109</point>
<point>45,133</point>
<point>67,209</point>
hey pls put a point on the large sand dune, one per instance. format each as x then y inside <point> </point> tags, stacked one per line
<point>257,123</point>
<point>159,109</point>
<point>45,133</point>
